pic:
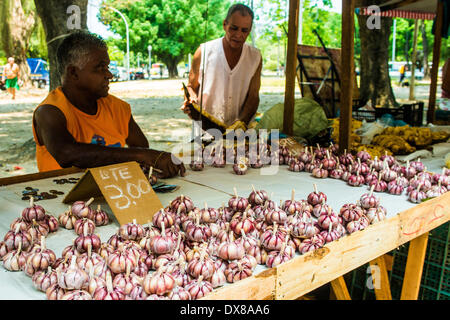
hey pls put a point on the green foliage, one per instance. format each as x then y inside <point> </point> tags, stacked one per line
<point>38,43</point>
<point>273,17</point>
<point>173,28</point>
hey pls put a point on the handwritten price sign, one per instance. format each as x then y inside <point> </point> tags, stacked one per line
<point>125,189</point>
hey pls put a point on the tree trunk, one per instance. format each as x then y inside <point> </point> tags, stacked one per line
<point>172,67</point>
<point>426,50</point>
<point>16,32</point>
<point>375,81</point>
<point>55,18</point>
<point>406,47</point>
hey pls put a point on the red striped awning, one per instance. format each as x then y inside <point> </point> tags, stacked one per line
<point>397,14</point>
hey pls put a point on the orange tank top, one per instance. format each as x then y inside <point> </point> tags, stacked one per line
<point>109,127</point>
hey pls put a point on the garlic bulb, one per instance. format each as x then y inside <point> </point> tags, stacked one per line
<point>39,258</point>
<point>52,223</point>
<point>316,197</point>
<point>127,282</point>
<point>76,295</point>
<point>43,280</point>
<point>179,293</point>
<point>110,292</point>
<point>55,292</point>
<point>81,209</point>
<point>14,238</point>
<point>202,266</point>
<point>67,220</point>
<point>100,217</point>
<point>73,278</point>
<point>158,283</point>
<point>33,212</point>
<point>11,259</point>
<point>237,270</point>
<point>272,238</point>
<point>198,288</point>
<point>131,231</point>
<point>119,260</point>
<point>83,241</point>
<point>231,249</point>
<point>79,226</point>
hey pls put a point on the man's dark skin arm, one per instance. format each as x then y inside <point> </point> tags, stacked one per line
<point>51,131</point>
<point>252,101</point>
<point>136,137</point>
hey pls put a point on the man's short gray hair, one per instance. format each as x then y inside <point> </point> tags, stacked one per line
<point>75,49</point>
<point>242,9</point>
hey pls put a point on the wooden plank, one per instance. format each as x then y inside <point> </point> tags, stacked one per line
<point>340,289</point>
<point>413,61</point>
<point>257,287</point>
<point>347,65</point>
<point>380,278</point>
<point>435,66</point>
<point>38,176</point>
<point>309,271</point>
<point>388,261</point>
<point>291,67</point>
<point>414,267</point>
<point>397,5</point>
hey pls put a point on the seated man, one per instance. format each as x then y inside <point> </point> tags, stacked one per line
<point>79,124</point>
<point>229,70</point>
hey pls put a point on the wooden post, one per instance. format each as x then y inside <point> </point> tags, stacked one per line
<point>347,66</point>
<point>383,291</point>
<point>414,267</point>
<point>340,289</point>
<point>413,62</point>
<point>435,66</point>
<point>291,64</point>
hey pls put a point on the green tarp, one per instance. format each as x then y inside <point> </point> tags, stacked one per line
<point>309,118</point>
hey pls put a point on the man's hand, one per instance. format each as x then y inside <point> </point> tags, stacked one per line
<point>185,107</point>
<point>238,124</point>
<point>169,169</point>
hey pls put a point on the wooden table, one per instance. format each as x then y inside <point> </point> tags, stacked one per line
<point>406,222</point>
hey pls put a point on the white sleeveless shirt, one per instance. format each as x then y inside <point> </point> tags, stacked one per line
<point>225,90</point>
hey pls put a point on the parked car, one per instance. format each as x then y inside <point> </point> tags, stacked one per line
<point>115,72</point>
<point>122,74</point>
<point>138,75</point>
<point>157,71</point>
<point>40,75</point>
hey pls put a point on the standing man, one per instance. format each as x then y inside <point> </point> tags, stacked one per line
<point>11,75</point>
<point>402,73</point>
<point>230,72</point>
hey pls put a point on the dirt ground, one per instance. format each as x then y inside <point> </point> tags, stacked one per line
<point>155,105</point>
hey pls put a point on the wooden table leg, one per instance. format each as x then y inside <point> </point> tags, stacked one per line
<point>414,267</point>
<point>340,289</point>
<point>381,286</point>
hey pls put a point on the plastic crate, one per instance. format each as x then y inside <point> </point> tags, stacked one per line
<point>411,113</point>
<point>435,282</point>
